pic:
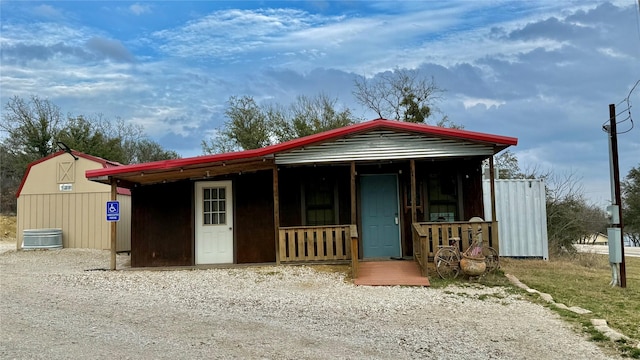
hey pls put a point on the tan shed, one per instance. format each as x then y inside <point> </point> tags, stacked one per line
<point>55,194</point>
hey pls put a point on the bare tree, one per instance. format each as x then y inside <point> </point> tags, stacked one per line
<point>570,217</point>
<point>631,205</point>
<point>400,95</point>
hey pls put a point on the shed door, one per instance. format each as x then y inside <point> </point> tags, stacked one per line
<point>380,229</point>
<point>214,223</point>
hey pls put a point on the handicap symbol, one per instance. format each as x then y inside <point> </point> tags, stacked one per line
<point>112,208</point>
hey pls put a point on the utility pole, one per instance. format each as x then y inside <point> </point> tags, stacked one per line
<point>616,229</point>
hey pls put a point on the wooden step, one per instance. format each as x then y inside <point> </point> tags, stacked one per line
<point>390,273</point>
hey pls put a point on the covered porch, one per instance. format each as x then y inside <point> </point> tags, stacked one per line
<point>420,239</point>
<point>340,243</point>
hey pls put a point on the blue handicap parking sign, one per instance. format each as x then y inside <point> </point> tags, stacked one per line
<point>113,211</point>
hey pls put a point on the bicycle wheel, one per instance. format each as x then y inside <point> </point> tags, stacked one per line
<point>447,263</point>
<point>491,258</point>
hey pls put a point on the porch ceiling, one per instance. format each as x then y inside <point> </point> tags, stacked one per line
<point>193,172</point>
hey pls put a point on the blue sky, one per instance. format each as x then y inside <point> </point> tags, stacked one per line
<point>541,71</point>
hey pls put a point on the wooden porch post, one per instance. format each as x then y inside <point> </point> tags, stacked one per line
<point>494,222</point>
<point>414,215</point>
<point>276,212</point>
<point>353,229</point>
<point>354,217</point>
<point>114,224</point>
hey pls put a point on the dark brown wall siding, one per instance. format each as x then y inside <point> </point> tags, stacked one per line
<point>289,191</point>
<point>254,227</point>
<point>162,225</point>
<point>162,214</point>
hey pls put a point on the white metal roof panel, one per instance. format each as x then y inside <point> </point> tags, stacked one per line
<point>383,145</point>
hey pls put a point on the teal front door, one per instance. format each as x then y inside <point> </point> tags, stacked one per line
<point>379,203</point>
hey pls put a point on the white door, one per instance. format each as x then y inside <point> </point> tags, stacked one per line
<point>214,222</point>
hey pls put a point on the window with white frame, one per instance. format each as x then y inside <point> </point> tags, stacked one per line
<point>214,209</point>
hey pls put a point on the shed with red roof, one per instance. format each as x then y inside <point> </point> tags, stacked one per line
<point>318,198</point>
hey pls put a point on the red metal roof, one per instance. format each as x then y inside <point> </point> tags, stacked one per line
<point>105,164</point>
<point>500,141</point>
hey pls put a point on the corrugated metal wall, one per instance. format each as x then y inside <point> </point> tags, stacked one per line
<point>81,216</point>
<point>380,145</point>
<point>522,216</point>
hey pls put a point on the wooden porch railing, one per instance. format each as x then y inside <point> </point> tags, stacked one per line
<point>316,243</point>
<point>431,235</point>
<point>420,247</point>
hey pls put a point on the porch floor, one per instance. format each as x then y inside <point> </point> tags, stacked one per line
<point>386,273</point>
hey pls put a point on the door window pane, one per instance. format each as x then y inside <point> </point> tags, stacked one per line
<point>214,206</point>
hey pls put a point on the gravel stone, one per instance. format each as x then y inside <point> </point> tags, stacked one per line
<point>57,304</point>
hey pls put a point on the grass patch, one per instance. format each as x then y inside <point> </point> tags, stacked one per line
<point>583,280</point>
<point>8,227</point>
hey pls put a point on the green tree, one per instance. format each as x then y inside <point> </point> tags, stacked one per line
<point>34,127</point>
<point>251,126</point>
<point>506,164</point>
<point>31,127</point>
<point>84,135</point>
<point>307,116</point>
<point>147,150</point>
<point>401,95</point>
<point>631,205</point>
<point>247,124</point>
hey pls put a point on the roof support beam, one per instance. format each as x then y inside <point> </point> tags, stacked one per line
<point>494,226</point>
<point>276,212</point>
<point>354,216</point>
<point>114,224</point>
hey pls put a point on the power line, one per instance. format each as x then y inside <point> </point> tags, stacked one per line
<point>627,109</point>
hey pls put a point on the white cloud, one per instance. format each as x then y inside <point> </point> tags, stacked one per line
<point>503,70</point>
<point>47,11</point>
<point>139,9</point>
<point>487,103</point>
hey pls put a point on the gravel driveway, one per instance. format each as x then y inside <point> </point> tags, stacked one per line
<point>51,307</point>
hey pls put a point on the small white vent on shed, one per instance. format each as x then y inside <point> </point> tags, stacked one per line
<point>42,238</point>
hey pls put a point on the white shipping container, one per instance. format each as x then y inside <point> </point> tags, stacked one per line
<point>522,216</point>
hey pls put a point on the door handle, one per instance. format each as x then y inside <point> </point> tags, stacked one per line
<point>396,219</point>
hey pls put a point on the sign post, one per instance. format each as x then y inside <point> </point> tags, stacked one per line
<point>113,216</point>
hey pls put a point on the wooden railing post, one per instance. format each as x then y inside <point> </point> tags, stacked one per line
<point>438,233</point>
<point>353,232</point>
<point>421,247</point>
<point>276,212</point>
